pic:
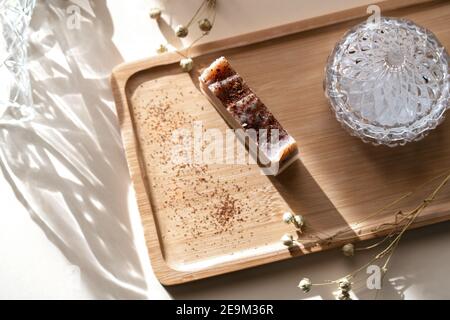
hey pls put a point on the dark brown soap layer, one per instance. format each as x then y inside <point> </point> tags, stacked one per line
<point>220,72</point>
<point>245,106</point>
<point>230,90</point>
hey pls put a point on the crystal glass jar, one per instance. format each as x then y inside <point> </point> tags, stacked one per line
<point>388,82</point>
<point>15,90</point>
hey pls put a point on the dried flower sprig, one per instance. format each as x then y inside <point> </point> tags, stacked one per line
<point>298,221</point>
<point>398,217</point>
<point>206,16</point>
<point>402,223</point>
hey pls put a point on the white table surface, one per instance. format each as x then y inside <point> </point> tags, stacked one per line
<point>69,225</point>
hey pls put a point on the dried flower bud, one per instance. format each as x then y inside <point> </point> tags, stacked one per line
<point>348,250</point>
<point>161,49</point>
<point>205,25</point>
<point>345,285</point>
<point>155,13</point>
<point>299,221</point>
<point>343,295</point>
<point>288,217</point>
<point>186,64</point>
<point>211,3</point>
<point>305,285</point>
<point>287,240</point>
<point>181,31</point>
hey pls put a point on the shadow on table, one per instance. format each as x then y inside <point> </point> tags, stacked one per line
<point>409,276</point>
<point>67,165</point>
<point>305,196</point>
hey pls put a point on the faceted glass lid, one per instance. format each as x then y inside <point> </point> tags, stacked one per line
<point>388,82</point>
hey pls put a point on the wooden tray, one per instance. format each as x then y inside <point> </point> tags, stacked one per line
<point>201,221</point>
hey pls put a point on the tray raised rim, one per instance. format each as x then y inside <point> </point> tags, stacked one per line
<point>119,78</point>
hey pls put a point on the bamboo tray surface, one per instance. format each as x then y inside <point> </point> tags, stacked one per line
<point>204,220</point>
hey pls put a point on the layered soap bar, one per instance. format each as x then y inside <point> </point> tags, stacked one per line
<point>242,109</point>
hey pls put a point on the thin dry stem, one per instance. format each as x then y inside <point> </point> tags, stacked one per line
<point>396,234</point>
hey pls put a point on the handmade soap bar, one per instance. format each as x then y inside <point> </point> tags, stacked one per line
<point>242,109</point>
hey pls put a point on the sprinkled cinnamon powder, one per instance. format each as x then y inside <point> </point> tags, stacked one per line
<point>226,211</point>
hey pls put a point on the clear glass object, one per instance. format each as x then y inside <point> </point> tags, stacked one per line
<point>16,103</point>
<point>388,82</point>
